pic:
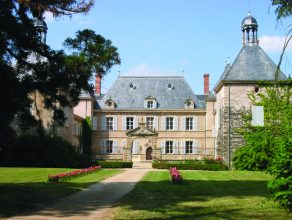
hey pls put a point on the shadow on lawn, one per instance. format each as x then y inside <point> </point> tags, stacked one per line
<point>159,197</point>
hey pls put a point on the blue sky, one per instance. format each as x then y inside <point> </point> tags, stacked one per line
<point>175,37</point>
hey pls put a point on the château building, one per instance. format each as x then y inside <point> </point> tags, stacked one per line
<point>159,117</point>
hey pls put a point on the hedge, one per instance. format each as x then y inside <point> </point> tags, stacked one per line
<point>189,166</point>
<point>115,164</point>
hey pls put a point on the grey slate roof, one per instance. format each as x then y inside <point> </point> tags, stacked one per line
<point>251,64</point>
<point>127,98</point>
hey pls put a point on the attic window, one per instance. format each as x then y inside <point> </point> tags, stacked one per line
<point>169,86</point>
<point>189,104</point>
<point>110,104</point>
<point>132,86</point>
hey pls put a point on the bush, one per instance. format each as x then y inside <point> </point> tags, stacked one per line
<point>115,164</point>
<point>34,151</point>
<point>188,165</point>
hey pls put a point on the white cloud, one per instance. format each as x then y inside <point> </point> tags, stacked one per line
<point>274,43</point>
<point>144,69</point>
<point>49,18</point>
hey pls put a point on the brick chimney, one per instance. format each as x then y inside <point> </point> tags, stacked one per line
<point>97,84</point>
<point>206,84</point>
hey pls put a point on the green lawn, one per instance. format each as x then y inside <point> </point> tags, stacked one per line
<point>23,189</point>
<point>203,195</point>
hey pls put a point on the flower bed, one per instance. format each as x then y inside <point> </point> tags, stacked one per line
<point>175,175</point>
<point>62,177</point>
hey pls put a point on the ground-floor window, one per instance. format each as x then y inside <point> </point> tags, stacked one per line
<point>169,147</point>
<point>109,147</point>
<point>189,147</point>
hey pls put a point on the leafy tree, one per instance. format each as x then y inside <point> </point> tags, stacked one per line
<point>27,66</point>
<point>86,137</point>
<point>269,147</point>
<point>283,8</point>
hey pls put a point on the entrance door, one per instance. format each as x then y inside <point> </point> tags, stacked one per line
<point>149,153</point>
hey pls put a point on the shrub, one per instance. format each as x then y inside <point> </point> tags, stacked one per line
<point>115,164</point>
<point>34,151</point>
<point>176,178</point>
<point>195,165</point>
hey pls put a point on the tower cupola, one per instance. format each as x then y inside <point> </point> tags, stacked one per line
<point>249,28</point>
<point>41,29</point>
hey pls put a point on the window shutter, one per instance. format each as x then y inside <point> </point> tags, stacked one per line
<point>124,145</point>
<point>163,123</point>
<point>175,123</point>
<point>195,147</point>
<point>257,115</point>
<point>175,147</point>
<point>135,124</point>
<point>145,121</point>
<point>219,118</point>
<point>195,123</point>
<point>124,123</point>
<point>156,122</point>
<point>183,123</point>
<point>162,144</point>
<point>115,121</point>
<point>214,131</point>
<point>103,123</point>
<point>115,147</point>
<point>183,147</point>
<point>145,103</point>
<point>94,123</point>
<point>135,147</point>
<point>154,104</point>
<point>103,146</point>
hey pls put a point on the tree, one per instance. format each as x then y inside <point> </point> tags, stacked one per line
<point>283,8</point>
<point>58,78</point>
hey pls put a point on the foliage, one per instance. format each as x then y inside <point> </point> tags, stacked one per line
<point>28,65</point>
<point>86,137</point>
<point>95,50</point>
<point>269,147</point>
<point>283,8</point>
<point>206,164</point>
<point>115,164</point>
<point>35,151</point>
<point>62,177</point>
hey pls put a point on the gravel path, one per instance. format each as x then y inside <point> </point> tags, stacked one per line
<point>94,202</point>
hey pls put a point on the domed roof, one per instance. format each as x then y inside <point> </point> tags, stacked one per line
<point>249,21</point>
<point>40,24</point>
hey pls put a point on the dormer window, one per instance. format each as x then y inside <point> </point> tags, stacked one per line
<point>110,104</point>
<point>150,103</point>
<point>189,104</point>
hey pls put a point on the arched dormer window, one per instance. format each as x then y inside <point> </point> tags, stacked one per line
<point>189,104</point>
<point>110,104</point>
<point>150,103</point>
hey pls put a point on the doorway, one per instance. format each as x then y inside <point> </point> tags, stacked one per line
<point>149,153</point>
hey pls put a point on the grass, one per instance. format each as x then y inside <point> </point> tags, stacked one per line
<point>24,189</point>
<point>203,195</point>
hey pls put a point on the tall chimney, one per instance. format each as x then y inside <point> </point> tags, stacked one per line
<point>206,84</point>
<point>97,84</point>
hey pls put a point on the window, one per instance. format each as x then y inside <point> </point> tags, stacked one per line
<point>169,147</point>
<point>130,123</point>
<point>109,147</point>
<point>189,147</point>
<point>150,104</point>
<point>169,123</point>
<point>110,123</point>
<point>150,122</point>
<point>189,123</point>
